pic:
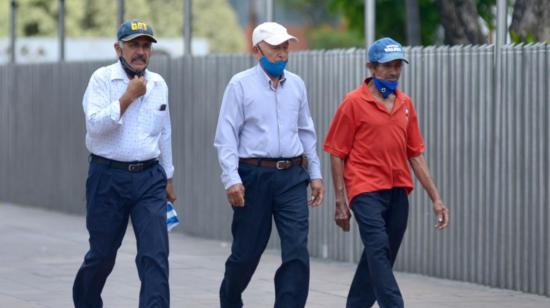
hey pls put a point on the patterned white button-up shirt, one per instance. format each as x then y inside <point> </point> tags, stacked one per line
<point>143,131</point>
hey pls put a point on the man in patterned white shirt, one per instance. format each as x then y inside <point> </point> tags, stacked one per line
<point>129,137</point>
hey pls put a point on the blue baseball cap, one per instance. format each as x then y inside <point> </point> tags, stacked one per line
<point>385,50</point>
<point>131,29</point>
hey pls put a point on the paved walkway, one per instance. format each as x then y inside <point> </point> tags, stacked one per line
<point>40,252</point>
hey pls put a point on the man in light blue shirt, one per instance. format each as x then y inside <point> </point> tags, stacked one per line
<point>266,145</point>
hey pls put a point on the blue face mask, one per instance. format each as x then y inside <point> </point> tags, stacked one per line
<point>385,87</point>
<point>273,69</point>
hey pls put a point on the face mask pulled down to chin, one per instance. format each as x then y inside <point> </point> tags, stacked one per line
<point>385,87</point>
<point>274,69</point>
<point>129,70</point>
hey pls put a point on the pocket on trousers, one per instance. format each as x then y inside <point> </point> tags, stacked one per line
<point>248,175</point>
<point>98,181</point>
<point>305,173</point>
<point>163,172</point>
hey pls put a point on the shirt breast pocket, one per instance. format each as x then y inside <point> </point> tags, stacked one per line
<point>152,117</point>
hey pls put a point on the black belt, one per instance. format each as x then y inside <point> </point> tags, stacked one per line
<point>135,166</point>
<point>277,163</point>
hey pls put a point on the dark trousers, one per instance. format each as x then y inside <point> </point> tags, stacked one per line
<point>270,194</point>
<point>113,196</point>
<point>382,219</point>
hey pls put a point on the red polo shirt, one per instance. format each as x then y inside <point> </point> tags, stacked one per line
<point>374,143</point>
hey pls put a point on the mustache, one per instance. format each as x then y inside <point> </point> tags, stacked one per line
<point>139,57</point>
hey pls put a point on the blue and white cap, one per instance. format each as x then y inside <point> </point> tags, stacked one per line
<point>385,50</point>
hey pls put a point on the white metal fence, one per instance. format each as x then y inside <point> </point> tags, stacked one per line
<point>486,129</point>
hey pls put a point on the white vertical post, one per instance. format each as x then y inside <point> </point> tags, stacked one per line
<point>120,12</point>
<point>269,10</point>
<point>497,113</point>
<point>61,27</point>
<point>187,28</point>
<point>501,27</point>
<point>13,13</point>
<point>370,22</point>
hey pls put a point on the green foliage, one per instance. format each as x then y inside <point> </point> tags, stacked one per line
<point>353,13</point>
<point>40,17</point>
<point>89,18</point>
<point>326,37</point>
<point>216,20</point>
<point>429,21</point>
<point>212,19</point>
<point>516,38</point>
<point>315,12</point>
<point>390,18</point>
<point>322,23</point>
<point>485,10</point>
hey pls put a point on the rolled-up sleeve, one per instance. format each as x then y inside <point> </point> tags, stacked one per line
<point>308,137</point>
<point>226,140</point>
<point>102,115</point>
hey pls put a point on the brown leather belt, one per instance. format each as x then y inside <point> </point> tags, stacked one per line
<point>277,163</point>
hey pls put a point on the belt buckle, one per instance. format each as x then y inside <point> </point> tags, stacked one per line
<point>279,165</point>
<point>135,167</point>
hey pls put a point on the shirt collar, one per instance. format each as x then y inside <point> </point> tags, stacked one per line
<point>262,74</point>
<point>119,73</point>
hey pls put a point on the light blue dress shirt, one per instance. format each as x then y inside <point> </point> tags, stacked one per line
<point>257,120</point>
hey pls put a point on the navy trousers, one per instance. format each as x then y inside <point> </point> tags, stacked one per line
<point>270,194</point>
<point>112,197</point>
<point>382,220</point>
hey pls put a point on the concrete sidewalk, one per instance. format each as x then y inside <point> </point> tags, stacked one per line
<point>40,252</point>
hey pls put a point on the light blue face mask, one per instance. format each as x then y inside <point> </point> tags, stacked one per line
<point>385,87</point>
<point>273,69</point>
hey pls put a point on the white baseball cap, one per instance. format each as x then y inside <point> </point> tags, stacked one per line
<point>272,33</point>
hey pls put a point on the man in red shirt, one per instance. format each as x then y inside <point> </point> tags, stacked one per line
<point>372,139</point>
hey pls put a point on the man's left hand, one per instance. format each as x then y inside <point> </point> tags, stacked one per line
<point>170,195</point>
<point>442,214</point>
<point>317,192</point>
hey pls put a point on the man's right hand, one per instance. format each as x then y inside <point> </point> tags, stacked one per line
<point>342,215</point>
<point>235,195</point>
<point>136,88</point>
